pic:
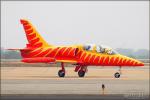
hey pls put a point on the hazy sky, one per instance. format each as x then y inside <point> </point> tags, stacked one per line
<point>118,24</point>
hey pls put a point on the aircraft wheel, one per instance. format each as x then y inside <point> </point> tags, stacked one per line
<point>81,73</point>
<point>61,73</point>
<point>117,75</point>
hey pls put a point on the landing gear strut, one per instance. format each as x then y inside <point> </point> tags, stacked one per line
<point>118,74</point>
<point>61,73</point>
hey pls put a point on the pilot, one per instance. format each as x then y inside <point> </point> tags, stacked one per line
<point>87,47</point>
<point>108,51</point>
<point>102,50</point>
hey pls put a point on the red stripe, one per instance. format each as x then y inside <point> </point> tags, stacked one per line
<point>62,50</point>
<point>24,22</point>
<point>92,58</point>
<point>87,59</point>
<point>58,52</point>
<point>111,60</point>
<point>72,52</point>
<point>31,36</point>
<point>136,64</point>
<point>80,53</point>
<point>67,51</point>
<point>96,60</point>
<point>29,31</point>
<point>34,53</point>
<point>106,60</point>
<point>43,53</point>
<point>83,56</point>
<point>53,52</point>
<point>101,60</point>
<point>128,62</point>
<point>131,62</point>
<point>120,62</point>
<point>34,41</point>
<point>26,27</point>
<point>116,61</point>
<point>38,44</point>
<point>124,62</point>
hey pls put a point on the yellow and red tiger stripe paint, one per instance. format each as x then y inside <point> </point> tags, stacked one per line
<point>68,53</point>
<point>39,48</point>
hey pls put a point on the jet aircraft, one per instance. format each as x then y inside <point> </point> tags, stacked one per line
<point>37,50</point>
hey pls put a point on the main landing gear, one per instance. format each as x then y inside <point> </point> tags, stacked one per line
<point>61,73</point>
<point>81,73</point>
<point>81,70</point>
<point>118,74</point>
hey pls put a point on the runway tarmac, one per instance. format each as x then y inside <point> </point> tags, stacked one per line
<point>134,82</point>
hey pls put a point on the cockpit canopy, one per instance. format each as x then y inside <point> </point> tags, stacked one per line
<point>99,49</point>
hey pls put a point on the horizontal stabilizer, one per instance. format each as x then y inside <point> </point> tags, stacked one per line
<point>25,49</point>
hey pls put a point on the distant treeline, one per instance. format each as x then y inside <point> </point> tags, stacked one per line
<point>7,54</point>
<point>138,54</point>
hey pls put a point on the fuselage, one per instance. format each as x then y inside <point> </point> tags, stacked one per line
<point>81,56</point>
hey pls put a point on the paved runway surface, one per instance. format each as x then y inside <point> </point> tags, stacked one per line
<point>134,83</point>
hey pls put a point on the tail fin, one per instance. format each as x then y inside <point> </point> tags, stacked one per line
<point>33,37</point>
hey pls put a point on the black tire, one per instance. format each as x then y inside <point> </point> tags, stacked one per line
<point>61,73</point>
<point>117,75</point>
<point>81,73</point>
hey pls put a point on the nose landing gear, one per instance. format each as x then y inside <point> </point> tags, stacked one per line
<point>118,74</point>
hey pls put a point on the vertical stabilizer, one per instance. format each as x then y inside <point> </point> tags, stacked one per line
<point>33,37</point>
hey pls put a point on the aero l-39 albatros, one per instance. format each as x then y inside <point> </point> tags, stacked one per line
<point>39,51</point>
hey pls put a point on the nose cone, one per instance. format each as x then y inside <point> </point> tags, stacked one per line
<point>134,62</point>
<point>127,61</point>
<point>140,63</point>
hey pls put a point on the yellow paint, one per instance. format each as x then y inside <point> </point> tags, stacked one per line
<point>57,51</point>
<point>64,50</point>
<point>35,50</point>
<point>43,50</point>
<point>45,44</point>
<point>70,51</point>
<point>67,61</point>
